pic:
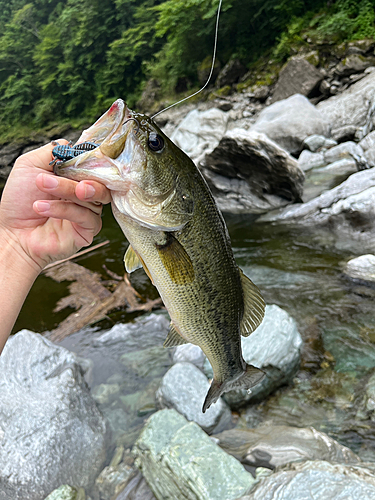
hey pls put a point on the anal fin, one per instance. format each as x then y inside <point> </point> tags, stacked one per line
<point>174,338</point>
<point>254,306</point>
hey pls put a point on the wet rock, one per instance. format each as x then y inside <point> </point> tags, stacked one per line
<point>289,122</point>
<point>273,446</point>
<point>271,174</point>
<point>231,73</point>
<point>361,268</point>
<point>52,432</point>
<point>190,353</point>
<point>113,479</point>
<point>316,142</point>
<point>179,460</point>
<point>184,388</point>
<point>366,408</point>
<point>351,107</point>
<point>66,492</point>
<point>105,393</point>
<point>298,76</point>
<point>316,479</point>
<point>200,132</point>
<point>136,489</point>
<point>275,348</point>
<point>347,211</point>
<point>204,70</point>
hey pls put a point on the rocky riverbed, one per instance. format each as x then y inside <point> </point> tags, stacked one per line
<point>111,415</point>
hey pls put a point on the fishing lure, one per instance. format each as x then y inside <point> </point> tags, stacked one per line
<point>66,152</point>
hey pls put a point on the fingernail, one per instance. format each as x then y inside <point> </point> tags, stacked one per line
<point>42,206</point>
<point>50,182</point>
<point>89,191</point>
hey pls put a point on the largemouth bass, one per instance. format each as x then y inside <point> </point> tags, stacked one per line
<point>177,234</point>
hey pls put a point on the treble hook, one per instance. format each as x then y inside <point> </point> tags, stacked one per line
<point>137,122</point>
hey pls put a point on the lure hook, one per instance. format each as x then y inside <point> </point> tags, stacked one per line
<point>137,122</point>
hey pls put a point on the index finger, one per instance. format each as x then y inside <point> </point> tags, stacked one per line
<point>40,157</point>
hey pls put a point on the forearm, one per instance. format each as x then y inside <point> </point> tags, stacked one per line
<point>17,274</point>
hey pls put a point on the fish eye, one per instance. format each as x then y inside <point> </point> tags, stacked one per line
<point>155,142</point>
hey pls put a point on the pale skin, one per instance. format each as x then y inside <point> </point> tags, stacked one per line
<point>43,218</point>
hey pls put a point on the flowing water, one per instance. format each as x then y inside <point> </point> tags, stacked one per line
<point>301,272</point>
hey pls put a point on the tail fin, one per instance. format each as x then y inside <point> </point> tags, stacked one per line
<point>250,377</point>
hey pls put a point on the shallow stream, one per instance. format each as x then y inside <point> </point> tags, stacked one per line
<point>296,269</point>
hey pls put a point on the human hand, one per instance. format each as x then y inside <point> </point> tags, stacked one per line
<point>46,217</point>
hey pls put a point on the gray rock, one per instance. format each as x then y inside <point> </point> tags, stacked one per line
<point>344,133</point>
<point>51,430</point>
<point>349,150</point>
<point>273,446</point>
<point>319,180</point>
<point>142,332</point>
<point>252,157</point>
<point>361,268</point>
<point>291,121</point>
<point>298,76</point>
<point>190,353</point>
<point>316,142</point>
<point>354,63</point>
<point>66,492</point>
<point>200,132</point>
<point>179,460</point>
<point>347,211</point>
<point>136,489</point>
<point>274,347</point>
<point>231,73</point>
<point>350,108</point>
<point>316,480</point>
<point>370,157</point>
<point>105,393</point>
<point>113,479</point>
<point>366,408</point>
<point>308,160</point>
<point>368,142</point>
<point>261,93</point>
<point>184,388</point>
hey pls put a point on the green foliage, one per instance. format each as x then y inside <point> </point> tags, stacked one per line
<point>63,60</point>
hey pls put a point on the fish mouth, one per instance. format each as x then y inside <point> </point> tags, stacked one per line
<point>110,132</point>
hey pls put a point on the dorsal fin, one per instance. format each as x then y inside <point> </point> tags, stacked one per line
<point>132,261</point>
<point>254,306</point>
<point>174,338</point>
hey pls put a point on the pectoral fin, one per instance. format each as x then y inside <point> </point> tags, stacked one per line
<point>174,338</point>
<point>176,260</point>
<point>132,261</point>
<point>254,306</point>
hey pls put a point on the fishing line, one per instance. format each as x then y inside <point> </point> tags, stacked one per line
<point>212,68</point>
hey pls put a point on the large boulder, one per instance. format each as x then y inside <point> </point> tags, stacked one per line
<point>290,121</point>
<point>273,446</point>
<point>200,132</point>
<point>51,431</point>
<point>275,348</point>
<point>298,76</point>
<point>184,388</point>
<point>316,480</point>
<point>179,460</point>
<point>250,173</point>
<point>351,108</point>
<point>347,211</point>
